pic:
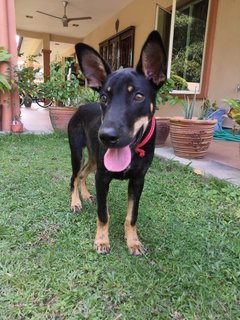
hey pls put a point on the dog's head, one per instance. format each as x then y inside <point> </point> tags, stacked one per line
<point>127,96</point>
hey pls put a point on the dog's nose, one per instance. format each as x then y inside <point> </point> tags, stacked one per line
<point>108,136</point>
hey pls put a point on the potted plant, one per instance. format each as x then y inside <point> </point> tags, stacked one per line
<point>25,79</point>
<point>163,123</point>
<point>5,85</point>
<point>191,136</point>
<point>17,125</point>
<point>234,112</point>
<point>64,90</point>
<point>88,95</point>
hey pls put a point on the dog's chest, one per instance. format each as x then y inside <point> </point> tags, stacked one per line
<point>134,170</point>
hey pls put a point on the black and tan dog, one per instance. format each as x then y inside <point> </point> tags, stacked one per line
<point>119,133</point>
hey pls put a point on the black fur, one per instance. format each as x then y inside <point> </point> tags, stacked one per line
<point>123,117</point>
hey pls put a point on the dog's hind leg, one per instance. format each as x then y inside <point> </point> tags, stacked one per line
<point>80,172</point>
<point>135,188</point>
<point>77,144</point>
<point>76,204</point>
<point>88,168</point>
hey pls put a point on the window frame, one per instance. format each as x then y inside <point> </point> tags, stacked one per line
<point>208,48</point>
<point>105,48</point>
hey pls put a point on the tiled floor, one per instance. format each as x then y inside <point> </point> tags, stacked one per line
<point>36,119</point>
<point>222,160</point>
<point>224,152</point>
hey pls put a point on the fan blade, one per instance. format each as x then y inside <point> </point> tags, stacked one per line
<point>50,15</point>
<point>80,18</point>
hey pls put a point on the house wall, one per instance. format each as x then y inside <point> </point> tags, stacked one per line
<point>139,13</point>
<point>225,67</point>
<point>225,71</point>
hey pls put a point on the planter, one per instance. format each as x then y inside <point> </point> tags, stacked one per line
<point>162,130</point>
<point>191,138</point>
<point>17,127</point>
<point>60,117</point>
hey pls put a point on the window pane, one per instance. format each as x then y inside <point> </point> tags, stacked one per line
<point>185,43</point>
<point>188,43</point>
<point>118,49</point>
<point>164,24</point>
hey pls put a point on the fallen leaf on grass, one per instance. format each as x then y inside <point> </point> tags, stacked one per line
<point>199,172</point>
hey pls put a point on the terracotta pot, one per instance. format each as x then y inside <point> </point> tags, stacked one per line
<point>162,130</point>
<point>60,117</point>
<point>17,127</point>
<point>191,138</point>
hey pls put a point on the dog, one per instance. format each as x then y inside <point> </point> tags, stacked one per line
<point>118,133</point>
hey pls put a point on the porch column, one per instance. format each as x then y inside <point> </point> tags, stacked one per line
<point>10,101</point>
<point>46,63</point>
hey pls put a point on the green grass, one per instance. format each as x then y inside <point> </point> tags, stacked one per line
<point>49,269</point>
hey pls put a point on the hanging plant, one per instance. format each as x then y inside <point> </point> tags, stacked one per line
<point>5,85</point>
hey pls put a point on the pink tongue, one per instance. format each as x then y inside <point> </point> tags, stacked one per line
<point>117,160</point>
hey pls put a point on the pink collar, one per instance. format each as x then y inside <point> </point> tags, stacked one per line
<point>138,149</point>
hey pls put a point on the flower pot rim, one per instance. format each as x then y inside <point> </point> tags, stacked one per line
<point>192,121</point>
<point>63,107</point>
<point>162,118</point>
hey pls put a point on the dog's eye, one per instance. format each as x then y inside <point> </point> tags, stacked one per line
<point>139,97</point>
<point>103,99</point>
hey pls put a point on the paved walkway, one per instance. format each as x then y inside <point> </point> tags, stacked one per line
<point>222,160</point>
<point>36,120</point>
<point>209,166</point>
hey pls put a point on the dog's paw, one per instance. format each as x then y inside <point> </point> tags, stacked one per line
<point>90,199</point>
<point>102,247</point>
<point>136,248</point>
<point>76,207</point>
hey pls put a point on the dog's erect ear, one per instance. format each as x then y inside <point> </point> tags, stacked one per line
<point>94,68</point>
<point>153,60</point>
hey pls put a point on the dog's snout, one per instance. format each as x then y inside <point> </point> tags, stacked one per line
<point>108,136</point>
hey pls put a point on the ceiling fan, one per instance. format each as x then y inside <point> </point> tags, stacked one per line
<point>65,19</point>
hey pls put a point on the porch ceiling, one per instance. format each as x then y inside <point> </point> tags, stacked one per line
<point>99,10</point>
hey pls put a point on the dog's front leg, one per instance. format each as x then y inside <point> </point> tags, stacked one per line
<point>135,188</point>
<point>101,242</point>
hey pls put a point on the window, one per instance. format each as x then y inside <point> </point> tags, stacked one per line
<point>118,50</point>
<point>186,42</point>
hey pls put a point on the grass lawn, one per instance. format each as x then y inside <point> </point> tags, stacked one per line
<point>49,269</point>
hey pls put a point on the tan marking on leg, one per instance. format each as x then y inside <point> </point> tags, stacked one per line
<point>143,121</point>
<point>101,242</point>
<point>76,204</point>
<point>86,196</point>
<point>134,245</point>
<point>88,168</point>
